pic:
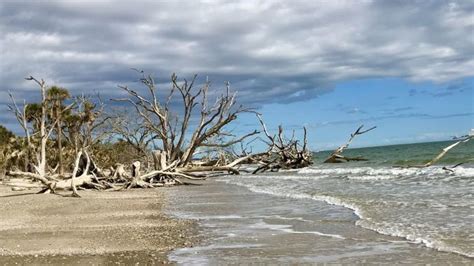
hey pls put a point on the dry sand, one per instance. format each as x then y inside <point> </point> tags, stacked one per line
<point>99,228</point>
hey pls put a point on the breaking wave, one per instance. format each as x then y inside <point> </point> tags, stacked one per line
<point>395,205</point>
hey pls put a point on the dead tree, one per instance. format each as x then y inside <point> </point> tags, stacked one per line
<point>178,134</point>
<point>178,138</point>
<point>337,157</point>
<point>133,130</point>
<point>83,133</point>
<point>282,153</point>
<point>82,123</point>
<point>37,141</point>
<point>443,152</point>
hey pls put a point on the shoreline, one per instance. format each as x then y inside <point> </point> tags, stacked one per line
<point>100,228</point>
<point>242,225</point>
<point>364,224</point>
<point>218,222</point>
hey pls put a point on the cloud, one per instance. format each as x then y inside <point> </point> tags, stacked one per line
<point>349,109</point>
<point>271,51</point>
<point>396,110</point>
<point>399,109</point>
<point>448,90</point>
<point>412,92</point>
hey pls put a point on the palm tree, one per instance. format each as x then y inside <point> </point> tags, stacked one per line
<point>56,97</point>
<point>33,115</point>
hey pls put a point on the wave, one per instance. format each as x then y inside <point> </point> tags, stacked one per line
<point>385,172</point>
<point>365,222</point>
<point>372,177</point>
<point>284,177</point>
<point>394,230</point>
<point>288,229</point>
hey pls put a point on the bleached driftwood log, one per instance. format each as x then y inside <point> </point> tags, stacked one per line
<point>159,159</point>
<point>443,152</point>
<point>337,157</point>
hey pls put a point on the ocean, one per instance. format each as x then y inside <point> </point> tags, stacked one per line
<point>364,209</point>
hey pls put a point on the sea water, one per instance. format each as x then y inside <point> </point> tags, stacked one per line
<point>430,205</point>
<point>357,212</point>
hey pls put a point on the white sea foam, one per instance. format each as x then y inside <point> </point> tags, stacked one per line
<point>398,231</point>
<point>185,215</point>
<point>464,172</point>
<point>327,199</point>
<point>387,171</point>
<point>365,222</point>
<point>284,177</point>
<point>289,230</point>
<point>372,177</point>
<point>192,255</point>
<point>301,219</point>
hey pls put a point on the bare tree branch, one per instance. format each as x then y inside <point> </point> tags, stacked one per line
<point>337,157</point>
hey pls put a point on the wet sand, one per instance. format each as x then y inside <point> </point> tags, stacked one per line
<point>233,226</point>
<point>240,226</point>
<point>125,227</point>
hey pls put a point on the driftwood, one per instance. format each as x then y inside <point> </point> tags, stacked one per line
<point>159,159</point>
<point>451,168</point>
<point>49,184</point>
<point>176,140</point>
<point>21,183</point>
<point>136,169</point>
<point>74,172</point>
<point>119,172</point>
<point>337,157</point>
<point>281,153</point>
<point>443,152</point>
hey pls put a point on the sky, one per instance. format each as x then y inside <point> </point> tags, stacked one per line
<point>406,67</point>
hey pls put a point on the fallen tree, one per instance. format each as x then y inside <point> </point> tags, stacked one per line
<point>443,152</point>
<point>164,138</point>
<point>282,153</point>
<point>337,157</point>
<point>177,139</point>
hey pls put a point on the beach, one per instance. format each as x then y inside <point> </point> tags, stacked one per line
<point>351,213</point>
<point>236,132</point>
<point>125,227</point>
<point>355,213</point>
<point>239,226</point>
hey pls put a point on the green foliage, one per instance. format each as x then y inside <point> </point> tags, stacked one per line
<point>33,112</point>
<point>58,94</point>
<point>5,135</point>
<point>110,153</point>
<point>55,97</point>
